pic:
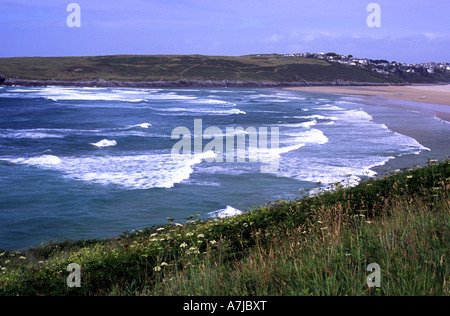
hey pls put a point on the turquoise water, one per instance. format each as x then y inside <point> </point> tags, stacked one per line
<point>82,163</point>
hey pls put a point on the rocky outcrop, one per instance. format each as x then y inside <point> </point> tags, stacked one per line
<point>183,83</point>
<point>2,78</point>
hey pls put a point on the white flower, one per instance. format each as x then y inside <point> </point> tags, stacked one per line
<point>156,269</point>
<point>201,236</point>
<point>183,245</point>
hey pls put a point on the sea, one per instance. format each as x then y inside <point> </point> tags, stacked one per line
<point>79,163</point>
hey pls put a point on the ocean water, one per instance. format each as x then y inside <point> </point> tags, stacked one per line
<point>82,163</point>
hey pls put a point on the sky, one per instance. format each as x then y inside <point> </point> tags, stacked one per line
<point>412,31</point>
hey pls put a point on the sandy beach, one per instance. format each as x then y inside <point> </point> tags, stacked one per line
<point>427,98</point>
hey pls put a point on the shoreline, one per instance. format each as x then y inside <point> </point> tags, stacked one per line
<point>430,99</point>
<point>404,98</point>
<point>188,83</point>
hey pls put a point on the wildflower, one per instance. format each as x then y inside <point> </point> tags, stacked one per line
<point>157,269</point>
<point>213,242</point>
<point>22,257</point>
<point>409,177</point>
<point>41,262</point>
<point>201,236</point>
<point>178,224</point>
<point>320,222</point>
<point>193,250</point>
<point>160,229</point>
<point>164,264</point>
<point>189,234</point>
<point>3,269</point>
<point>323,228</point>
<point>369,222</point>
<point>183,245</point>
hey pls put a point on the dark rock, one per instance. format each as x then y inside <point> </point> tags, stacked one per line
<point>2,78</point>
<point>182,83</point>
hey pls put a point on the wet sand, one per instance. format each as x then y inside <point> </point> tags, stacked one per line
<point>427,98</point>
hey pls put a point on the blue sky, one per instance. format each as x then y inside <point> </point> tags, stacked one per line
<point>411,31</point>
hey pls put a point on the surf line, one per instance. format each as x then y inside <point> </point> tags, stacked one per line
<point>225,144</point>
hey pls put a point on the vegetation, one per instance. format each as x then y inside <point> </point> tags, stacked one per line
<point>261,68</point>
<point>317,245</point>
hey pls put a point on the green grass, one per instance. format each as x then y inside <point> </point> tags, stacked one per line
<point>317,245</point>
<point>265,68</point>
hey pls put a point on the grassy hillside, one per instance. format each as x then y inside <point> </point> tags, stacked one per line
<point>269,68</point>
<point>317,245</point>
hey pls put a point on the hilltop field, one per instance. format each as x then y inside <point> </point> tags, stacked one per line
<point>191,70</point>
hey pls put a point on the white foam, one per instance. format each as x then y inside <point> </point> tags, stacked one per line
<point>268,155</point>
<point>345,171</point>
<point>307,124</point>
<point>203,111</point>
<point>45,161</point>
<point>105,143</point>
<point>329,107</point>
<point>357,115</point>
<point>23,90</point>
<point>226,212</point>
<point>28,133</point>
<point>317,117</point>
<point>213,102</point>
<point>55,93</point>
<point>129,172</point>
<point>311,136</point>
<point>142,125</point>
